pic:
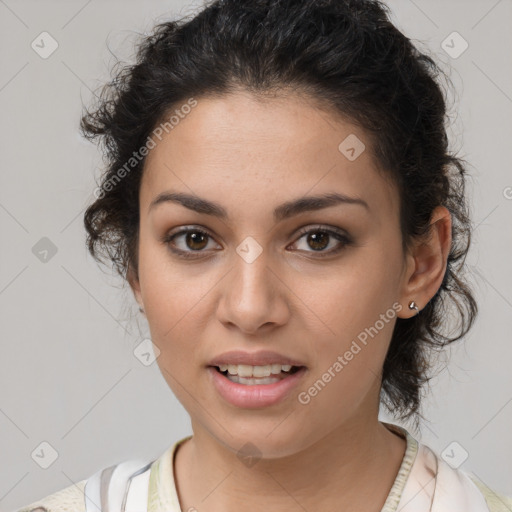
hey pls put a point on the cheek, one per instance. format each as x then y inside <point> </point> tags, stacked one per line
<point>348,368</point>
<point>353,318</point>
<point>170,295</point>
<point>350,298</point>
<point>169,301</point>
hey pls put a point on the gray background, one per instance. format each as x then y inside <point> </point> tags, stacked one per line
<point>68,373</point>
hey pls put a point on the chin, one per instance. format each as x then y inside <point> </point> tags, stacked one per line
<point>263,439</point>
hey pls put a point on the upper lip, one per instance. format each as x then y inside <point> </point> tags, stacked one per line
<point>261,358</point>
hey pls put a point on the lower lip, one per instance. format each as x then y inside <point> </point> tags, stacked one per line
<point>258,395</point>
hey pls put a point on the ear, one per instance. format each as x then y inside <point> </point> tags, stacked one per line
<point>133,281</point>
<point>426,263</point>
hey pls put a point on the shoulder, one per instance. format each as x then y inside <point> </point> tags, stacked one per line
<point>124,482</point>
<point>456,489</point>
<point>495,501</point>
<point>457,484</point>
<point>69,499</point>
<point>428,482</point>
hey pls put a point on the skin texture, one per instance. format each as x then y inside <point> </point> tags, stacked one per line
<point>250,156</point>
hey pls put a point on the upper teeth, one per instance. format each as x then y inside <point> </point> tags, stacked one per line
<point>246,370</point>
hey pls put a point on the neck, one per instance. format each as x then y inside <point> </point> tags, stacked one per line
<point>353,467</point>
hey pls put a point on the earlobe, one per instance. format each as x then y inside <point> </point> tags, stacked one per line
<point>134,283</point>
<point>428,261</point>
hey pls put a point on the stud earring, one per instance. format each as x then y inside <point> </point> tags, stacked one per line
<point>412,305</point>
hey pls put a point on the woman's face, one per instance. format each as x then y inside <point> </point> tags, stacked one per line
<point>258,282</point>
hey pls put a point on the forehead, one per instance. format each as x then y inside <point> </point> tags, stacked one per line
<point>247,153</point>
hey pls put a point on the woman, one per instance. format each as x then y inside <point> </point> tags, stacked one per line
<point>281,199</point>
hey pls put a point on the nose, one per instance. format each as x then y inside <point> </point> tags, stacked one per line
<point>254,297</point>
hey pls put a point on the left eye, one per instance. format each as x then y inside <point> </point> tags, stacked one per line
<point>317,238</point>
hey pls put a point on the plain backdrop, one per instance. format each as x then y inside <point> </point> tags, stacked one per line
<point>71,387</point>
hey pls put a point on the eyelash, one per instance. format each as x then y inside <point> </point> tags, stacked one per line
<point>338,235</point>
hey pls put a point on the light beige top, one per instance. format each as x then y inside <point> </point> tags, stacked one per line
<point>162,496</point>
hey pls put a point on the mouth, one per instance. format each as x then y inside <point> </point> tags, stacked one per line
<point>252,380</point>
<point>253,387</point>
<point>249,375</point>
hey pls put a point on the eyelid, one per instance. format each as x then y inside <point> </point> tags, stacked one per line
<point>321,227</point>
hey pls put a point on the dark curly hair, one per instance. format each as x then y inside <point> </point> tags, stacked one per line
<point>348,58</point>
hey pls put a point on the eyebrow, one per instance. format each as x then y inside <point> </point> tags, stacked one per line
<point>281,212</point>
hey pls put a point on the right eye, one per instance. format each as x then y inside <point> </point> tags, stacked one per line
<point>194,239</point>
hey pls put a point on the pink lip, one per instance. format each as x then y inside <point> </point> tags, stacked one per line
<point>257,396</point>
<point>260,358</point>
